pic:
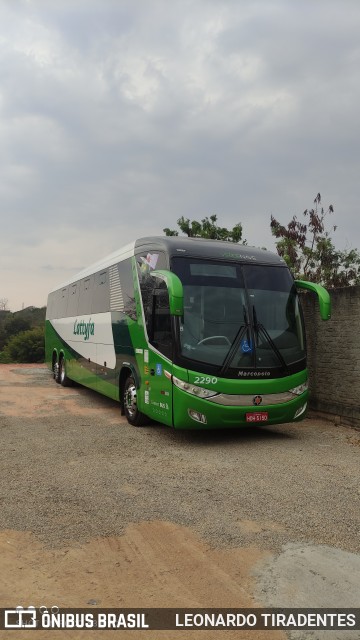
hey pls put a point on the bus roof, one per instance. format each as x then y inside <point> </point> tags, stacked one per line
<point>182,246</point>
<point>204,248</point>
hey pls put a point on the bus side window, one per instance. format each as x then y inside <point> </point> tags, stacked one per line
<point>51,306</point>
<point>101,297</point>
<point>146,288</point>
<point>160,326</point>
<point>127,288</point>
<point>146,262</point>
<point>85,297</point>
<point>73,300</point>
<point>62,303</point>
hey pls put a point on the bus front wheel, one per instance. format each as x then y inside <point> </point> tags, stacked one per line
<point>133,415</point>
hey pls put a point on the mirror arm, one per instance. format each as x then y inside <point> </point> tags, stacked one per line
<point>175,289</point>
<point>322,294</point>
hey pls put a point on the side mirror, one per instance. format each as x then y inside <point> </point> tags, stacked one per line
<point>175,289</point>
<point>322,294</point>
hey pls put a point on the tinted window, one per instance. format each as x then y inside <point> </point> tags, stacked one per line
<point>73,299</point>
<point>51,306</point>
<point>62,303</point>
<point>127,288</point>
<point>239,316</point>
<point>146,262</point>
<point>101,296</point>
<point>146,288</point>
<point>214,308</point>
<point>85,296</point>
<point>274,307</point>
<point>160,320</point>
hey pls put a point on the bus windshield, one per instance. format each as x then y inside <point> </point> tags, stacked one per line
<point>239,316</point>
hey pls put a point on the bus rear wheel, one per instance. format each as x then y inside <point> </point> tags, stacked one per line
<point>129,399</point>
<point>62,377</point>
<point>56,373</point>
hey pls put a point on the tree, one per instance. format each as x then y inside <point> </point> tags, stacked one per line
<point>3,304</point>
<point>310,253</point>
<point>11,327</point>
<point>27,346</point>
<point>207,228</point>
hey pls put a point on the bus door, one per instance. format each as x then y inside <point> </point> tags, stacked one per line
<point>155,280</point>
<point>158,357</point>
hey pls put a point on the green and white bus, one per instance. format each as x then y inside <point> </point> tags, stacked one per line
<point>191,333</point>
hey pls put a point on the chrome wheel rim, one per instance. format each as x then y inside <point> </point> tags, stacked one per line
<point>130,400</point>
<point>62,370</point>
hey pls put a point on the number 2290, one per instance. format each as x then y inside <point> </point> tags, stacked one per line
<point>205,380</point>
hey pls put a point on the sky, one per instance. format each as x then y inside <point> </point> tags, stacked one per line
<point>119,116</point>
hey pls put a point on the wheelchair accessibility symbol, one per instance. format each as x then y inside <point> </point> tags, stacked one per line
<point>246,346</point>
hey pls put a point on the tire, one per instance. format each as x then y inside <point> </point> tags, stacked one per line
<point>55,371</point>
<point>63,378</point>
<point>129,403</point>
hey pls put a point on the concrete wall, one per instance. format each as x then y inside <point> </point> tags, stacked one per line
<point>334,355</point>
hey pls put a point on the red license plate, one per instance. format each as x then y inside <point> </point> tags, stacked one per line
<point>258,416</point>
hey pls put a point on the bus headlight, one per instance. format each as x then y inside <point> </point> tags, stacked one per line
<point>193,389</point>
<point>297,391</point>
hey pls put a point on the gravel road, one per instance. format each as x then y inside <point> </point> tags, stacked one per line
<point>73,471</point>
<point>73,468</point>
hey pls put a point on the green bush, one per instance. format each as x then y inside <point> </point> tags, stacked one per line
<point>27,346</point>
<point>11,328</point>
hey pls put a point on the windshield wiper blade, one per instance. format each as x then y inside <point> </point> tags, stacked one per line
<point>235,343</point>
<point>233,348</point>
<point>260,328</point>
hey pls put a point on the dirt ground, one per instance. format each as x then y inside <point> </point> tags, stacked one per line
<point>96,513</point>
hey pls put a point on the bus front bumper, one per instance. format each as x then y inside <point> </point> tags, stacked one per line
<point>191,412</point>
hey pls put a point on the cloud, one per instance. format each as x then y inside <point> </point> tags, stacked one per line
<point>118,118</point>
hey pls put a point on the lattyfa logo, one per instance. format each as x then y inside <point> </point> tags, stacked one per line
<point>85,329</point>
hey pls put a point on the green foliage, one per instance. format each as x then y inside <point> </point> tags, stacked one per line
<point>310,253</point>
<point>34,315</point>
<point>26,346</point>
<point>21,324</point>
<point>13,323</point>
<point>11,327</point>
<point>207,228</point>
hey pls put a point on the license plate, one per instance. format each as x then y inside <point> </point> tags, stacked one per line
<point>258,416</point>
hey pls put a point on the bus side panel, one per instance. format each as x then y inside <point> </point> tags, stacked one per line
<point>157,389</point>
<point>80,368</point>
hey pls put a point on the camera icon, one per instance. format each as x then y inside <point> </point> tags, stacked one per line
<point>20,618</point>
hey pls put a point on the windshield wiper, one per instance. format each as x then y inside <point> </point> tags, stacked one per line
<point>259,328</point>
<point>235,343</point>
